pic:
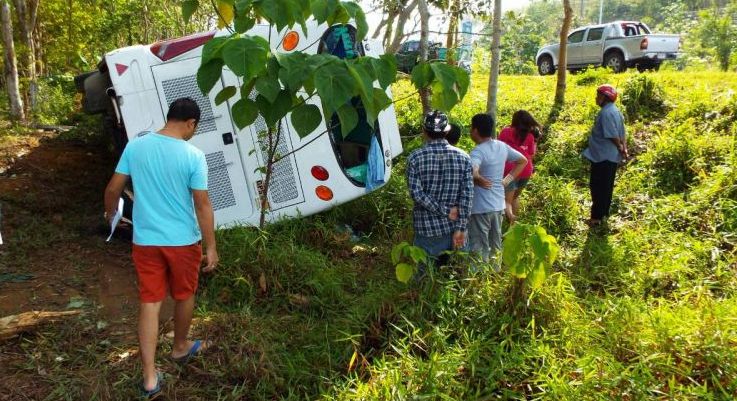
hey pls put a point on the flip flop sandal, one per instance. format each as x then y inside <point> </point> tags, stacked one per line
<point>193,351</point>
<point>156,391</point>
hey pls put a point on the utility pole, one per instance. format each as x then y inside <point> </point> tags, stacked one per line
<point>582,8</point>
<point>601,9</point>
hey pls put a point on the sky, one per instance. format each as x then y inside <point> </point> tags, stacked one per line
<point>374,18</point>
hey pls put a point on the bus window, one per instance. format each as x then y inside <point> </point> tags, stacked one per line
<point>352,150</point>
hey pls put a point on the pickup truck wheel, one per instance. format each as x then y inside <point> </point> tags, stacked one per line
<point>615,61</point>
<point>545,65</point>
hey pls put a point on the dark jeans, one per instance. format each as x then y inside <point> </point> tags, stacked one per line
<point>601,185</point>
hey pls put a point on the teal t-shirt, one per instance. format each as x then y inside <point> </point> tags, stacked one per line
<point>164,171</point>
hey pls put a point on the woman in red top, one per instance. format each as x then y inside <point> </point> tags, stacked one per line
<point>521,136</point>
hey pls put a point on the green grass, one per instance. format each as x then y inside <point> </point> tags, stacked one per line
<point>643,310</point>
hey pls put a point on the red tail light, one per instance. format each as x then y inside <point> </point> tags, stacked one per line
<point>320,173</point>
<point>324,193</point>
<point>169,49</point>
<point>643,44</point>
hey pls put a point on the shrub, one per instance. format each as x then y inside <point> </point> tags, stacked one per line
<point>56,100</point>
<point>642,97</point>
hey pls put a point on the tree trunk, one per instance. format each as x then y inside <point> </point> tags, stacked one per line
<point>27,13</point>
<point>560,88</point>
<point>399,30</point>
<point>496,37</point>
<point>11,67</point>
<point>424,45</point>
<point>273,145</point>
<point>389,31</point>
<point>450,43</point>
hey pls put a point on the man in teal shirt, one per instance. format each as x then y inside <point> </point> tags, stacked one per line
<point>171,214</point>
<point>607,148</point>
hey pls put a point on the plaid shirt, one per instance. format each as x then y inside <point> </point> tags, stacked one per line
<point>439,177</point>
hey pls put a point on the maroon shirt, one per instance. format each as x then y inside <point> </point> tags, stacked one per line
<point>526,147</point>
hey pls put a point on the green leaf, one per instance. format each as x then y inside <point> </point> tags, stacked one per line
<point>243,23</point>
<point>422,75</point>
<point>268,87</point>
<point>397,251</point>
<point>381,100</point>
<point>188,9</point>
<point>244,112</point>
<point>246,56</point>
<point>365,85</point>
<point>322,9</point>
<point>247,88</point>
<point>417,254</point>
<point>284,13</point>
<point>348,117</point>
<point>213,49</point>
<point>386,69</point>
<point>305,119</point>
<point>356,12</point>
<point>339,16</point>
<point>243,7</point>
<point>463,80</point>
<point>404,272</point>
<point>295,68</point>
<point>209,74</point>
<point>276,110</point>
<point>225,94</point>
<point>335,85</point>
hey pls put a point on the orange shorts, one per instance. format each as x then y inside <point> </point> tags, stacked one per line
<point>159,268</point>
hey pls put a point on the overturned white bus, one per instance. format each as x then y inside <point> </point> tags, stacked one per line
<point>134,86</point>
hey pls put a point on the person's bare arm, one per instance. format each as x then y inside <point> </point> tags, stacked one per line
<point>114,189</point>
<point>479,180</point>
<point>519,165</point>
<point>206,221</point>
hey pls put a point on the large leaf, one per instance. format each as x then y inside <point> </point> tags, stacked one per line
<point>243,7</point>
<point>268,86</point>
<point>334,84</point>
<point>213,49</point>
<point>284,13</point>
<point>422,75</point>
<point>243,23</point>
<point>396,253</point>
<point>225,94</point>
<point>295,68</point>
<point>305,119</point>
<point>322,9</point>
<point>209,74</point>
<point>365,84</point>
<point>356,12</point>
<point>348,118</point>
<point>188,8</point>
<point>386,69</point>
<point>381,100</point>
<point>246,56</point>
<point>404,272</point>
<point>417,254</point>
<point>445,87</point>
<point>463,80</point>
<point>244,112</point>
<point>276,110</point>
<point>226,12</point>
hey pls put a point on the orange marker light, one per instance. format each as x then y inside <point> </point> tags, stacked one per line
<point>324,193</point>
<point>291,40</point>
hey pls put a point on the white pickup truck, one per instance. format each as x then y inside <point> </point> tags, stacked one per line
<point>616,45</point>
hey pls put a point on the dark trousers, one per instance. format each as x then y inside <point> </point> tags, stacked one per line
<point>601,184</point>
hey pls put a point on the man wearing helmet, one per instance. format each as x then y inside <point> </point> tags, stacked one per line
<point>440,182</point>
<point>607,148</point>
